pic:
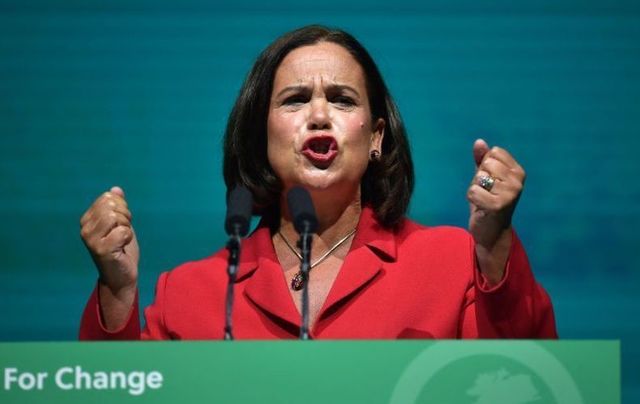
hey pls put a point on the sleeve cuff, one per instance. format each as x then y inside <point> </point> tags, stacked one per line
<point>92,325</point>
<point>482,283</point>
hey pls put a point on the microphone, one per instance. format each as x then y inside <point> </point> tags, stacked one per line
<point>239,204</point>
<point>302,210</point>
<point>306,223</point>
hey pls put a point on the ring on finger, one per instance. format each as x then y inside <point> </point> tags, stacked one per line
<point>486,182</point>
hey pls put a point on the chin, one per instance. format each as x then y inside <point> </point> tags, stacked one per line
<point>329,183</point>
<point>317,184</point>
<point>313,180</point>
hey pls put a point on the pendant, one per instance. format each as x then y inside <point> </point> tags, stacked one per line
<point>298,281</point>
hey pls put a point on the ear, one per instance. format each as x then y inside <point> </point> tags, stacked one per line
<point>377,135</point>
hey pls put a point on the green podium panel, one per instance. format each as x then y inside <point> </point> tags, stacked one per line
<point>478,372</point>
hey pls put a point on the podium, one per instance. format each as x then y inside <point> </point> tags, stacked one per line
<point>416,371</point>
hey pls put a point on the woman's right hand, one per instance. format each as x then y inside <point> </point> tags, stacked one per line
<point>108,235</point>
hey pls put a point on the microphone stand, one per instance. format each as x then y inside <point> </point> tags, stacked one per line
<point>233,245</point>
<point>305,265</point>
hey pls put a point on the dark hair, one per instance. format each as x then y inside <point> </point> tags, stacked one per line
<point>387,183</point>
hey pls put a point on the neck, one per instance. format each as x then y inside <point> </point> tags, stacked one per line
<point>337,215</point>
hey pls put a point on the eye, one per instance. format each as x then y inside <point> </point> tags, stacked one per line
<point>343,101</point>
<point>295,99</point>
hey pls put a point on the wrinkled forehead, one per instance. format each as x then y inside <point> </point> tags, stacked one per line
<point>324,62</point>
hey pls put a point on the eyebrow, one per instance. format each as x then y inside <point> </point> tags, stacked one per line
<point>330,87</point>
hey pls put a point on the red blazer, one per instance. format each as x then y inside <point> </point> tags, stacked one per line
<point>416,282</point>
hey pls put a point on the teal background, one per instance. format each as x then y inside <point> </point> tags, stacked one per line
<point>137,94</point>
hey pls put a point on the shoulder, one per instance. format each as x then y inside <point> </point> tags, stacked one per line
<point>201,270</point>
<point>217,259</point>
<point>442,246</point>
<point>412,232</point>
<point>214,267</point>
<point>441,254</point>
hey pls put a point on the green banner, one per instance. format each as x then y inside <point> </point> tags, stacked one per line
<point>478,372</point>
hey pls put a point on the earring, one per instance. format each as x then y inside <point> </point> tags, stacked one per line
<point>374,155</point>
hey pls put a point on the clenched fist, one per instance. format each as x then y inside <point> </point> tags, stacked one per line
<point>493,195</point>
<point>108,235</point>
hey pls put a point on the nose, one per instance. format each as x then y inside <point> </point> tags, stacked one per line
<point>319,118</point>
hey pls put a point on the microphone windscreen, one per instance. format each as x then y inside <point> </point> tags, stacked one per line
<point>302,210</point>
<point>239,205</point>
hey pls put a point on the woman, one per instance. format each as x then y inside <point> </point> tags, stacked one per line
<point>315,112</point>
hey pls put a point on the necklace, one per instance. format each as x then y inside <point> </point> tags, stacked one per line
<point>298,280</point>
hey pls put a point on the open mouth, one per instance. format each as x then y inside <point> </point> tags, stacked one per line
<point>320,150</point>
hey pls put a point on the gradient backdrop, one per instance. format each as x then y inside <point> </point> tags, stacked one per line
<point>137,94</point>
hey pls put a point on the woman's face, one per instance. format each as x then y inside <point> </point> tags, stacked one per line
<point>320,130</point>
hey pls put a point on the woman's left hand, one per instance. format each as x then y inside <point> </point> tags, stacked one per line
<point>493,195</point>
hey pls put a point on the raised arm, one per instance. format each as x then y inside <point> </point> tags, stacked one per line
<point>493,195</point>
<point>107,233</point>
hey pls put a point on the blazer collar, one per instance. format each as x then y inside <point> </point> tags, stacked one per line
<point>266,285</point>
<point>372,246</point>
<point>370,233</point>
